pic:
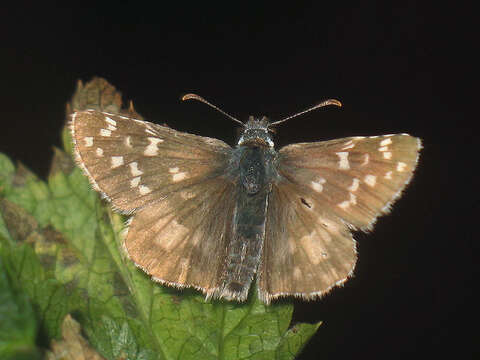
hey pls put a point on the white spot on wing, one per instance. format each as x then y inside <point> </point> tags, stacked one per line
<point>128,141</point>
<point>383,148</point>
<point>173,170</point>
<point>105,132</point>
<point>144,189</point>
<point>110,121</point>
<point>99,152</point>
<point>117,161</point>
<point>370,180</point>
<point>388,175</point>
<point>387,155</point>
<point>318,185</point>
<point>343,162</point>
<point>111,127</point>
<point>401,166</point>
<point>354,186</point>
<point>352,201</point>
<point>88,141</point>
<point>186,195</point>
<point>135,181</point>
<point>152,149</point>
<point>134,169</point>
<point>179,176</point>
<point>386,142</point>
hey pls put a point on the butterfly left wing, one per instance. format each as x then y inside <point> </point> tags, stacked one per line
<point>173,184</point>
<point>184,238</point>
<point>323,190</point>
<point>133,163</point>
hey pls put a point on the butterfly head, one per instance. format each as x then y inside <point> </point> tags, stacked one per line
<point>256,133</point>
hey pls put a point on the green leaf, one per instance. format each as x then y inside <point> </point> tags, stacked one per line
<point>7,172</point>
<point>51,300</point>
<point>294,340</point>
<point>18,325</point>
<point>62,247</point>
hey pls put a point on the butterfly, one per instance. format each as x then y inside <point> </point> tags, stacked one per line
<point>213,217</point>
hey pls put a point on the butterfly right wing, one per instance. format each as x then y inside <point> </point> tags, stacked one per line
<point>325,189</point>
<point>173,184</point>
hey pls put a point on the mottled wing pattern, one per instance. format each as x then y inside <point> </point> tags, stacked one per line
<point>134,163</point>
<point>172,182</point>
<point>306,251</point>
<point>182,240</point>
<point>324,189</point>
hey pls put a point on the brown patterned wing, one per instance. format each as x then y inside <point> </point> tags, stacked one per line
<point>324,190</point>
<point>182,240</point>
<point>133,162</point>
<point>172,182</point>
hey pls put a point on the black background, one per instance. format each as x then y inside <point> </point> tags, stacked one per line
<point>396,68</point>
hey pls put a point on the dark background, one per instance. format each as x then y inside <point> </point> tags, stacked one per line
<point>396,68</point>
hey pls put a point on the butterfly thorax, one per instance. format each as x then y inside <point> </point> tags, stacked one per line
<point>255,156</point>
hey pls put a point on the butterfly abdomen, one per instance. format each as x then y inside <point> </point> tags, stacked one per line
<point>249,222</point>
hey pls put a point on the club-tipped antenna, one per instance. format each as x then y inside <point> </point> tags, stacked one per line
<point>322,104</point>
<point>199,98</point>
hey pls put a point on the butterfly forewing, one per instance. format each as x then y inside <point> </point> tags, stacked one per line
<point>133,162</point>
<point>356,179</point>
<point>322,190</point>
<point>172,182</point>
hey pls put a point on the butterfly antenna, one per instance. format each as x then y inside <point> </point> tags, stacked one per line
<point>199,98</point>
<point>322,104</point>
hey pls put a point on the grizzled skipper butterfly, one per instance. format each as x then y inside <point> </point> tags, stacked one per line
<point>209,216</point>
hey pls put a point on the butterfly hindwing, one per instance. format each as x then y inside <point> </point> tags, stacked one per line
<point>323,190</point>
<point>306,251</point>
<point>182,240</point>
